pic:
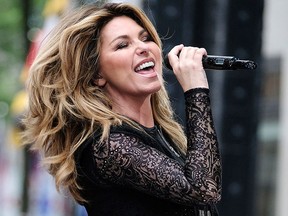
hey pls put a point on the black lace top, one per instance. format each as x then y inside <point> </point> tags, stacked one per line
<point>143,174</point>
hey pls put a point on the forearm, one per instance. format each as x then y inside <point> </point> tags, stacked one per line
<point>203,164</point>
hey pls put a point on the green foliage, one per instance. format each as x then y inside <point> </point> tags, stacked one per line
<point>12,50</point>
<point>13,44</point>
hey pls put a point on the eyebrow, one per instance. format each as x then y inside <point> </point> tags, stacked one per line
<point>126,36</point>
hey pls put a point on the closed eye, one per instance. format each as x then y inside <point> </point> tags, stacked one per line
<point>121,45</point>
<point>146,37</point>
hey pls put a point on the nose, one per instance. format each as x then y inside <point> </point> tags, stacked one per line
<point>142,48</point>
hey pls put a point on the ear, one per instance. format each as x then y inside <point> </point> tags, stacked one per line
<point>100,81</point>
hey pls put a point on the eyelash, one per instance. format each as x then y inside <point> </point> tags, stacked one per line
<point>124,44</point>
<point>147,38</point>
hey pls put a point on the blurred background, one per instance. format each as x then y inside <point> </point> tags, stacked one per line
<point>250,107</point>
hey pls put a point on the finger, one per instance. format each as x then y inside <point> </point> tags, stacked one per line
<point>198,56</point>
<point>188,53</point>
<point>199,53</point>
<point>173,55</point>
<point>176,49</point>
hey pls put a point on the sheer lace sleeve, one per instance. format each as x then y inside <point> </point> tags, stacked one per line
<point>127,160</point>
<point>203,165</point>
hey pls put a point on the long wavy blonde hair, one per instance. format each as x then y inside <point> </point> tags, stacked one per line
<point>65,104</point>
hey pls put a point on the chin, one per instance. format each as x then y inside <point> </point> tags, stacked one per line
<point>156,89</point>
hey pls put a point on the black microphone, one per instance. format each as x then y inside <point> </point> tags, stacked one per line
<point>221,63</point>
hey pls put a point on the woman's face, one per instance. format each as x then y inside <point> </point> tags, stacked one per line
<point>130,62</point>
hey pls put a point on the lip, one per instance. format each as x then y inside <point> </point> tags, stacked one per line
<point>144,61</point>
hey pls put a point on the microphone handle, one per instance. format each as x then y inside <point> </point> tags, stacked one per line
<point>214,62</point>
<point>218,62</point>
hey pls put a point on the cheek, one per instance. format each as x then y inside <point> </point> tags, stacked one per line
<point>158,55</point>
<point>116,61</point>
<point>113,69</point>
<point>108,65</point>
<point>159,64</point>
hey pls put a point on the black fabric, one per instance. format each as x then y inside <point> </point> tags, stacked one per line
<point>143,173</point>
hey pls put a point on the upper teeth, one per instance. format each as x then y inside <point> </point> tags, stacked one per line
<point>145,65</point>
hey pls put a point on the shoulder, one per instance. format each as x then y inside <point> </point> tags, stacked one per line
<point>121,133</point>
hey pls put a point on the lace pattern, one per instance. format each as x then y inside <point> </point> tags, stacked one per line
<point>203,151</point>
<point>127,159</point>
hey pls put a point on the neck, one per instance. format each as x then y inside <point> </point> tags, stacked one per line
<point>136,109</point>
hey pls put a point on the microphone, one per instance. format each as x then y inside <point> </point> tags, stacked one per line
<point>214,62</point>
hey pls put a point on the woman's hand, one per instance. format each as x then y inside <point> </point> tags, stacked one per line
<point>188,67</point>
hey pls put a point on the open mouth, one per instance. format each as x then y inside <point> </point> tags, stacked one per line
<point>145,66</point>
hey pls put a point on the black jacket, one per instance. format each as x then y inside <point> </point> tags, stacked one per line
<point>137,173</point>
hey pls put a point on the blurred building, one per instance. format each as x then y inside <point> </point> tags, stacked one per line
<point>274,126</point>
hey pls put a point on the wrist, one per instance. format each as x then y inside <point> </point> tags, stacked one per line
<point>197,79</point>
